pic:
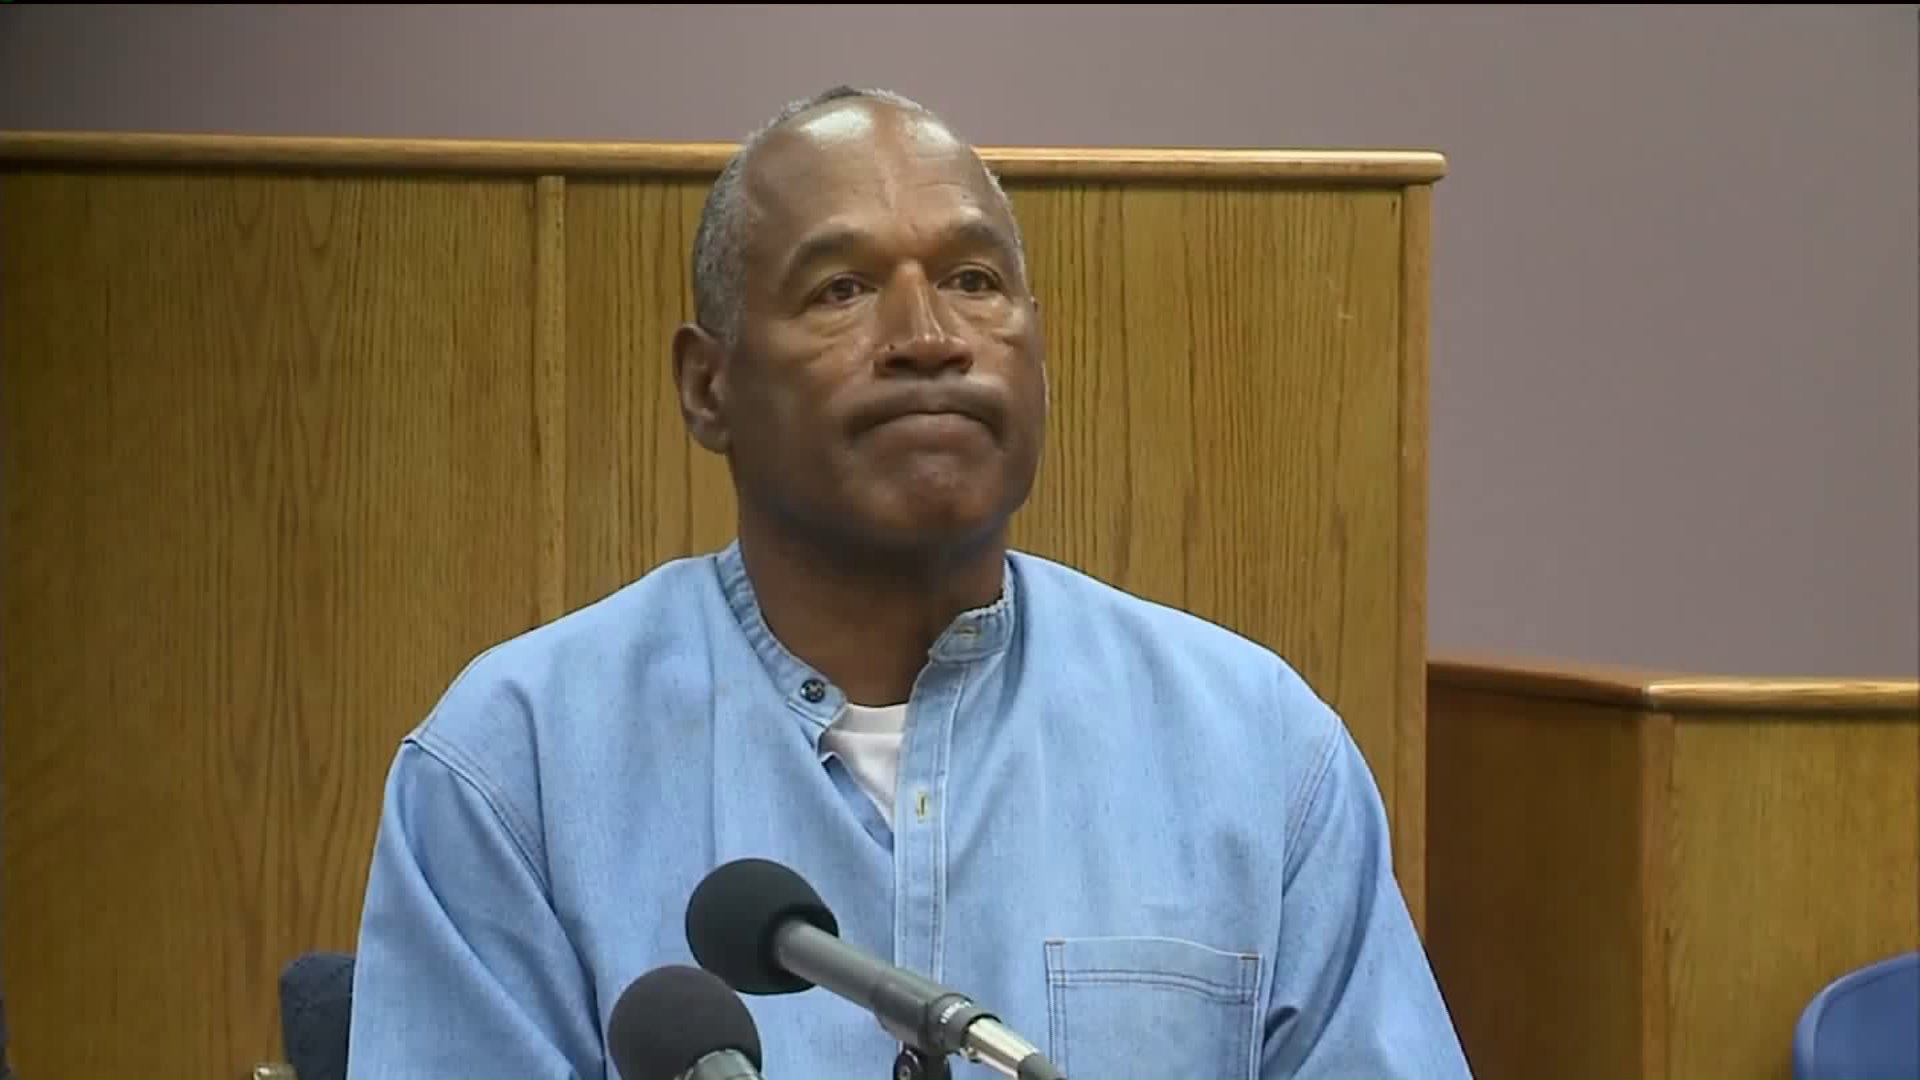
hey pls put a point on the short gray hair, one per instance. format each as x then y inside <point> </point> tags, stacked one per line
<point>720,241</point>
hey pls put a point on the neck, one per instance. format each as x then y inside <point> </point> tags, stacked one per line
<point>867,623</point>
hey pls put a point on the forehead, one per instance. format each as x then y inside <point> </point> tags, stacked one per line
<point>865,165</point>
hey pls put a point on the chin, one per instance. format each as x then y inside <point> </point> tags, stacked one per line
<point>930,519</point>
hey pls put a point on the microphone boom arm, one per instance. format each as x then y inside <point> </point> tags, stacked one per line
<point>916,1011</point>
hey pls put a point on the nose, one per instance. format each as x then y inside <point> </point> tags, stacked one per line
<point>917,337</point>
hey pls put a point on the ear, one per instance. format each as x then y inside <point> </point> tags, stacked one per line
<point>700,376</point>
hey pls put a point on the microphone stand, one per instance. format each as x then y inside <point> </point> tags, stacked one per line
<point>914,1063</point>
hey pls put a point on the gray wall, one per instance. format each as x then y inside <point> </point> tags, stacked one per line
<point>1676,414</point>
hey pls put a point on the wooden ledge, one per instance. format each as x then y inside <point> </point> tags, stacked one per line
<point>1658,691</point>
<point>142,149</point>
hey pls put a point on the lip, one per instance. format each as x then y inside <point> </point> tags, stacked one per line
<point>930,402</point>
<point>941,414</point>
<point>939,427</point>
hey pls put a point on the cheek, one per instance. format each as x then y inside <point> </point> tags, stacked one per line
<point>787,425</point>
<point>1024,359</point>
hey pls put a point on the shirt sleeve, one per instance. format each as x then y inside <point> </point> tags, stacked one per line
<point>1354,996</point>
<point>462,969</point>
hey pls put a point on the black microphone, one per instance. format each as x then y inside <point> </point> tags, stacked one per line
<point>763,929</point>
<point>681,1023</point>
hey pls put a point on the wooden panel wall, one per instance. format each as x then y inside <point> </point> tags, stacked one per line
<point>267,455</point>
<point>293,428</point>
<point>1645,875</point>
<point>1531,819</point>
<point>1793,856</point>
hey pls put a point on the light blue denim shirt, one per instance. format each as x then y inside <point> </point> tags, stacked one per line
<point>1141,840</point>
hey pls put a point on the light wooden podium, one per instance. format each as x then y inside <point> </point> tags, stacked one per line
<point>1648,875</point>
<point>295,427</point>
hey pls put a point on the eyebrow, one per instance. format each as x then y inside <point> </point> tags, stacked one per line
<point>838,240</point>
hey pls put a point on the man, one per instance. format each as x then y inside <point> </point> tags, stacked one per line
<point>1140,839</point>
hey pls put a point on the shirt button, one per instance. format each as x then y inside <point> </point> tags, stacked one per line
<point>813,690</point>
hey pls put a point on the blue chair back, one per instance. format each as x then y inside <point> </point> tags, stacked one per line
<point>316,1001</point>
<point>1864,1025</point>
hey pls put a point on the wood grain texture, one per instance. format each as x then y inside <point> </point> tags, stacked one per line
<point>1772,851</point>
<point>266,447</point>
<point>1694,693</point>
<point>1536,878</point>
<point>1350,167</point>
<point>1650,898</point>
<point>550,444</point>
<point>639,491</point>
<point>1794,857</point>
<point>1410,674</point>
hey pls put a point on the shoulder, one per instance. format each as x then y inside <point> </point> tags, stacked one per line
<point>1225,696</point>
<point>640,614</point>
<point>1223,713</point>
<point>1177,655</point>
<point>493,717</point>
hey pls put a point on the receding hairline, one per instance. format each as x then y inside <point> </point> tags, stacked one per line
<point>802,132</point>
<point>728,215</point>
<point>799,139</point>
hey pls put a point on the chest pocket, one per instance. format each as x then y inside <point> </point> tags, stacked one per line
<point>1151,1009</point>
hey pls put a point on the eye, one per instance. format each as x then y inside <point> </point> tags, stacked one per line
<point>975,280</point>
<point>840,290</point>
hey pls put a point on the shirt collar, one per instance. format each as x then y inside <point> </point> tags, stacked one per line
<point>973,635</point>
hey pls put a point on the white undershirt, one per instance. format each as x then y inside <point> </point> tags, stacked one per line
<point>867,739</point>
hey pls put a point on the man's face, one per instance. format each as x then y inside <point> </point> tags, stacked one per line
<point>887,394</point>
